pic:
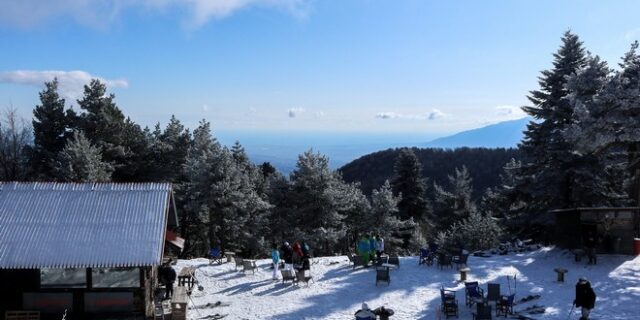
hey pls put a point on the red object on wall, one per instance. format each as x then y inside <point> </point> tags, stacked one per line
<point>636,246</point>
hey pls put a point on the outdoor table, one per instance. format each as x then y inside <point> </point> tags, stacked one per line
<point>560,272</point>
<point>185,277</point>
<point>230,256</point>
<point>463,273</point>
<point>388,266</point>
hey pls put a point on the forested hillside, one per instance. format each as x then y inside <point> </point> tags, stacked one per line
<point>484,165</point>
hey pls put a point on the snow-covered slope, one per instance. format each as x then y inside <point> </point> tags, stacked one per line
<point>338,291</point>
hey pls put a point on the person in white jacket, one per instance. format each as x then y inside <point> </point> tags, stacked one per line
<point>379,246</point>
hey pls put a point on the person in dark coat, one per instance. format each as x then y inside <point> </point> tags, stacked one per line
<point>168,277</point>
<point>585,297</point>
<point>287,256</point>
<point>590,246</point>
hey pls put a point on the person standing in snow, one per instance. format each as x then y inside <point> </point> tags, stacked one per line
<point>364,249</point>
<point>372,246</point>
<point>297,250</point>
<point>275,257</point>
<point>379,246</point>
<point>590,247</point>
<point>168,277</point>
<point>585,297</point>
<point>305,250</point>
<point>287,256</point>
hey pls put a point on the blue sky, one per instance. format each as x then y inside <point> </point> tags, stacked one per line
<point>415,67</point>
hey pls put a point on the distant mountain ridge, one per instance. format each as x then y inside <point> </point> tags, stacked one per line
<point>505,134</point>
<point>282,149</point>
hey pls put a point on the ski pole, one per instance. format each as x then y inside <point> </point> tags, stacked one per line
<point>571,312</point>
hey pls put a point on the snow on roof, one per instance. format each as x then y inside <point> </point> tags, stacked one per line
<point>82,225</point>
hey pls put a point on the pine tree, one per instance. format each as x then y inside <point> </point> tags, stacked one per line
<point>80,161</point>
<point>547,181</point>
<point>52,127</point>
<point>15,137</point>
<point>320,200</point>
<point>454,204</point>
<point>593,174</point>
<point>409,185</point>
<point>609,121</point>
<point>123,143</point>
<point>384,214</point>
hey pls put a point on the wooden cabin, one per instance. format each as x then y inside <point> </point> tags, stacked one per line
<point>614,227</point>
<point>87,250</point>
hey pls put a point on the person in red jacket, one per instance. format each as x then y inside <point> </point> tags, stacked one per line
<point>297,249</point>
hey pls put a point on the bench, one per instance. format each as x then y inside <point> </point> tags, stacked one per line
<point>22,315</point>
<point>179,304</point>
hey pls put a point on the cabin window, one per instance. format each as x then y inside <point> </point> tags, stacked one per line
<point>63,278</point>
<point>115,277</point>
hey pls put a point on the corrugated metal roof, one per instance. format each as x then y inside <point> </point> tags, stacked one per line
<point>82,225</point>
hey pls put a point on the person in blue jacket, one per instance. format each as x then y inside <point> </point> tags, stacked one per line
<point>275,257</point>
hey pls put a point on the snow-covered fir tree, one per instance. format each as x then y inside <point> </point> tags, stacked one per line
<point>80,161</point>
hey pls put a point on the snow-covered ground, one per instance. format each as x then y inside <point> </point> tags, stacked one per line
<point>339,291</point>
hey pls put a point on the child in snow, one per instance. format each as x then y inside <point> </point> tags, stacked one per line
<point>585,297</point>
<point>365,313</point>
<point>275,257</point>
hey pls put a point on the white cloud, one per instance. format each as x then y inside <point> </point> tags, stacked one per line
<point>433,115</point>
<point>436,114</point>
<point>294,112</point>
<point>387,115</point>
<point>205,107</point>
<point>508,112</point>
<point>632,35</point>
<point>26,13</point>
<point>70,83</point>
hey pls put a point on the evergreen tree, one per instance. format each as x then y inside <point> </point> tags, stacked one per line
<point>319,199</point>
<point>409,185</point>
<point>123,143</point>
<point>80,161</point>
<point>593,174</point>
<point>608,122</point>
<point>546,176</point>
<point>223,203</point>
<point>168,151</point>
<point>15,137</point>
<point>384,213</point>
<point>454,204</point>
<point>52,127</point>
